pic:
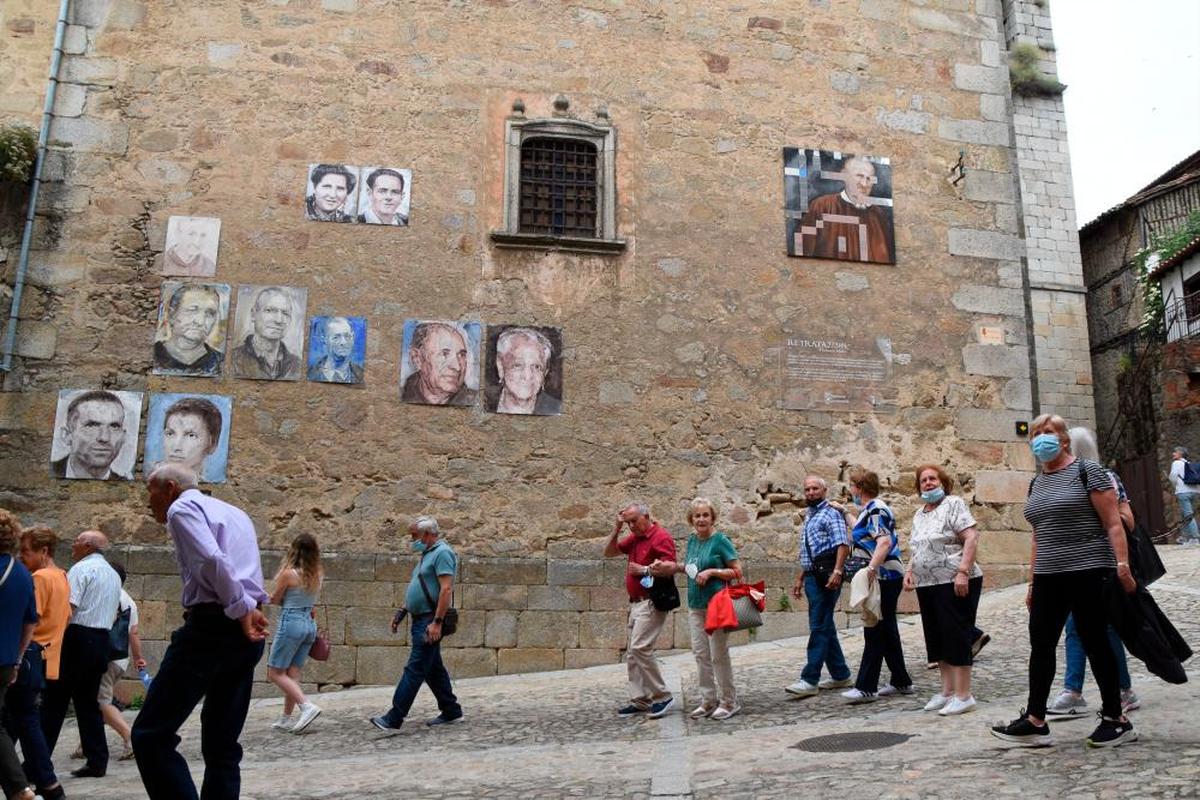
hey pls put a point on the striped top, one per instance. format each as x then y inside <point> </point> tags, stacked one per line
<point>1067,529</point>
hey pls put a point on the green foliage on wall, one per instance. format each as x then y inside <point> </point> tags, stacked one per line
<point>1164,246</point>
<point>1025,73</point>
<point>18,152</point>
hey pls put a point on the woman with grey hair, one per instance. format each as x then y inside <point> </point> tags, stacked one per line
<point>1070,702</point>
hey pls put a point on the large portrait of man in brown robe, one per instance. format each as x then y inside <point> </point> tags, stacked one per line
<point>838,206</point>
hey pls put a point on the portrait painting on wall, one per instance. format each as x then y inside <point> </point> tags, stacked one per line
<point>191,430</point>
<point>192,244</point>
<point>838,206</point>
<point>331,194</point>
<point>95,435</point>
<point>337,349</point>
<point>268,340</point>
<point>190,336</point>
<point>439,362</point>
<point>523,370</point>
<point>384,195</point>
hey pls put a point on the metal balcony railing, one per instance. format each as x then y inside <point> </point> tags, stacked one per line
<point>1182,317</point>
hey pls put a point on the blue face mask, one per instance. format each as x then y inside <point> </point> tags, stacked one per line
<point>1045,447</point>
<point>418,546</point>
<point>933,495</point>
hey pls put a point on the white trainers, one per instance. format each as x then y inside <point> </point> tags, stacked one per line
<point>830,683</point>
<point>308,712</point>
<point>725,713</point>
<point>802,688</point>
<point>701,711</point>
<point>887,690</point>
<point>857,696</point>
<point>937,702</point>
<point>1067,704</point>
<point>956,706</point>
<point>284,723</point>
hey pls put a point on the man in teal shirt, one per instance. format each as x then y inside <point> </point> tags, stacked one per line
<point>426,600</point>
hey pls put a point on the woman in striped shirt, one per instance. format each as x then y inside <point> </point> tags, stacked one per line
<point>1079,551</point>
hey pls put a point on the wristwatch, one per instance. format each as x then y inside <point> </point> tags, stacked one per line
<point>439,620</point>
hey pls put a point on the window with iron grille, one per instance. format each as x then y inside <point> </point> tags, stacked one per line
<point>558,187</point>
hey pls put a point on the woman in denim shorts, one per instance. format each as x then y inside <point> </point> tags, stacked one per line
<point>297,585</point>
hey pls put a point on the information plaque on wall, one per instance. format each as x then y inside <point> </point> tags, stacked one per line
<point>838,374</point>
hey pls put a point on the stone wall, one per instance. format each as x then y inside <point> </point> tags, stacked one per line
<point>672,359</point>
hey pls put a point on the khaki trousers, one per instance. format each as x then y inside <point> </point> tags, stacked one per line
<point>645,678</point>
<point>712,662</point>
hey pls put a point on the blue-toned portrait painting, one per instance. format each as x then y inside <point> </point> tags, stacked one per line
<point>192,430</point>
<point>337,349</point>
<point>439,362</point>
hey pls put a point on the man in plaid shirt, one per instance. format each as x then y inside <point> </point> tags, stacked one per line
<point>824,545</point>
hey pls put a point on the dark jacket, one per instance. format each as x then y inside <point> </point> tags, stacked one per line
<point>1147,633</point>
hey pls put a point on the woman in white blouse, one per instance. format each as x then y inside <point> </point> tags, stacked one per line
<point>948,582</point>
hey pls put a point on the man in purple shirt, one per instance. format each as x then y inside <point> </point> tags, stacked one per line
<point>214,653</point>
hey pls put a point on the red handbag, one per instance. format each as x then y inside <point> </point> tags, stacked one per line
<point>736,607</point>
<point>320,649</point>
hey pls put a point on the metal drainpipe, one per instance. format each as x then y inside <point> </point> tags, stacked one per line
<point>10,336</point>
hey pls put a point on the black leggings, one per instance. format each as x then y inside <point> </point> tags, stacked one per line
<point>1081,593</point>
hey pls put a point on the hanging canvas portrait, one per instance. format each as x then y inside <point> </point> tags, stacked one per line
<point>838,206</point>
<point>269,338</point>
<point>523,370</point>
<point>337,349</point>
<point>191,430</point>
<point>384,195</point>
<point>192,244</point>
<point>190,336</point>
<point>95,435</point>
<point>439,362</point>
<point>331,193</point>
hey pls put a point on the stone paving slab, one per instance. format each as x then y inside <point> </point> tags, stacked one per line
<point>553,735</point>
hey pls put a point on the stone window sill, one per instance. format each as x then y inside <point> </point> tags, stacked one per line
<point>570,244</point>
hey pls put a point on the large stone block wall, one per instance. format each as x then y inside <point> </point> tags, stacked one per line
<point>672,359</point>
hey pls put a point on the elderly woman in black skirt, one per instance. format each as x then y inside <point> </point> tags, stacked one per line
<point>1079,552</point>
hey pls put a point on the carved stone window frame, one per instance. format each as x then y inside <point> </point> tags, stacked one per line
<point>604,138</point>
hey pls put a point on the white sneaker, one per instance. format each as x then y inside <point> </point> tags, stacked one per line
<point>856,697</point>
<point>1067,704</point>
<point>284,723</point>
<point>701,711</point>
<point>956,706</point>
<point>830,683</point>
<point>937,702</point>
<point>308,712</point>
<point>887,690</point>
<point>802,688</point>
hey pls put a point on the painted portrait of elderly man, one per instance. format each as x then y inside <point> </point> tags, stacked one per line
<point>384,197</point>
<point>191,430</point>
<point>330,195</point>
<point>95,435</point>
<point>838,206</point>
<point>439,362</point>
<point>192,244</point>
<point>270,333</point>
<point>523,370</point>
<point>337,349</point>
<point>190,337</point>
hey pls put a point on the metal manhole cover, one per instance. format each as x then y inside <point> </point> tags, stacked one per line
<point>850,742</point>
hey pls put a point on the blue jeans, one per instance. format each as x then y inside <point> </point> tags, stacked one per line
<point>424,666</point>
<point>208,657</point>
<point>1187,509</point>
<point>823,646</point>
<point>1077,662</point>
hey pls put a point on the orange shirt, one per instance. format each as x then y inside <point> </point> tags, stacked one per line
<point>53,595</point>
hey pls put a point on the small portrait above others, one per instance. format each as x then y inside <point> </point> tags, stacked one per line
<point>191,248</point>
<point>95,435</point>
<point>190,336</point>
<point>331,194</point>
<point>384,195</point>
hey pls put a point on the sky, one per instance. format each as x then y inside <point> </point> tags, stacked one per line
<point>1132,71</point>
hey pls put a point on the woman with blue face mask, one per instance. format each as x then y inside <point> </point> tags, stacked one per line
<point>1079,551</point>
<point>948,582</point>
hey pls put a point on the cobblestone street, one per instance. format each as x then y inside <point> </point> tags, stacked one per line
<point>553,735</point>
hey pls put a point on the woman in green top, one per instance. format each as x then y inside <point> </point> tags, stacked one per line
<point>710,563</point>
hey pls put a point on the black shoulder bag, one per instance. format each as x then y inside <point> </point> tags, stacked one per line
<point>450,621</point>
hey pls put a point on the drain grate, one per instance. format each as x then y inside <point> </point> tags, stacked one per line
<point>850,742</point>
